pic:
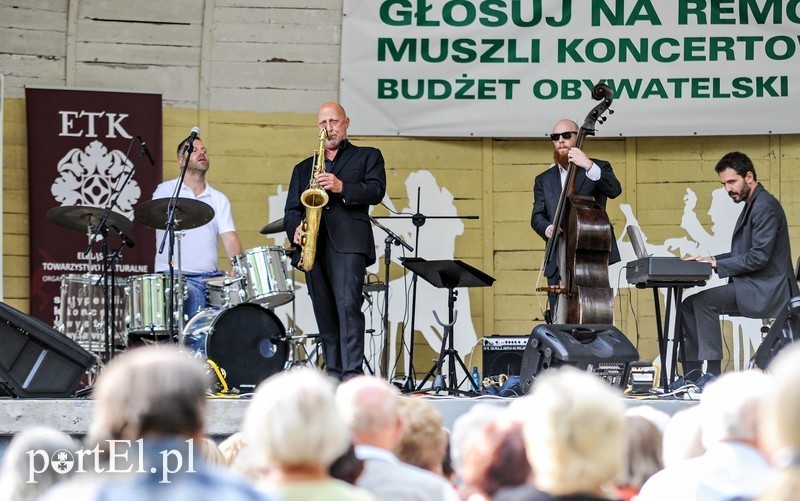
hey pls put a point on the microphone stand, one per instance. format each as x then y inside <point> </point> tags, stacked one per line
<point>391,238</point>
<point>102,227</point>
<point>418,220</point>
<point>169,234</point>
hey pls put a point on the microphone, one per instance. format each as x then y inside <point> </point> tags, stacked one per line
<point>191,138</point>
<point>146,150</point>
<point>125,239</point>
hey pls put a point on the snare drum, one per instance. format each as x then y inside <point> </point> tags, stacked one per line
<point>81,312</point>
<point>265,280</point>
<point>224,293</point>
<point>148,299</point>
<point>247,342</point>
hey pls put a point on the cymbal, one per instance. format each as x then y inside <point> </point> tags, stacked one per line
<point>189,213</point>
<point>273,227</point>
<point>80,217</point>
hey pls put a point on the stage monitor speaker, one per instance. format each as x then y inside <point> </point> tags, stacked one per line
<point>503,355</point>
<point>36,360</point>
<point>784,331</point>
<point>597,348</point>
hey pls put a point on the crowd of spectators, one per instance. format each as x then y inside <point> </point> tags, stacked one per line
<point>307,437</point>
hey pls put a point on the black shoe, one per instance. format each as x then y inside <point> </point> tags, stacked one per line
<point>705,379</point>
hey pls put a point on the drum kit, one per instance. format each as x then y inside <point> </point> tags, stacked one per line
<point>238,334</point>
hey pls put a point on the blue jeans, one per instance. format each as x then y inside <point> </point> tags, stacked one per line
<point>196,291</point>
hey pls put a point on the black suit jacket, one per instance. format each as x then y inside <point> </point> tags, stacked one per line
<point>345,219</point>
<point>546,192</point>
<point>760,260</point>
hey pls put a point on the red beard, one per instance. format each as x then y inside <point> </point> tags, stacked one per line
<point>561,159</point>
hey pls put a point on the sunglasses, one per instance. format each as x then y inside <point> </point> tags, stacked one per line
<point>565,135</point>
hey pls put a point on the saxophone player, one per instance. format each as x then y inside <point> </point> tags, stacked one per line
<point>354,178</point>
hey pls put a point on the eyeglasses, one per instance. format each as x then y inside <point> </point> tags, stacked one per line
<point>566,135</point>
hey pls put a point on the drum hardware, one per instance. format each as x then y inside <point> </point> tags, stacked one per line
<point>264,277</point>
<point>80,315</point>
<point>147,300</point>
<point>299,353</point>
<point>246,342</point>
<point>97,221</point>
<point>172,215</point>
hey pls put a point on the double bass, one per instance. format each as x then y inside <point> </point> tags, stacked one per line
<point>584,240</point>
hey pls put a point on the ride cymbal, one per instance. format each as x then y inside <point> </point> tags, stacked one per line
<point>83,218</point>
<point>189,213</point>
<point>273,227</point>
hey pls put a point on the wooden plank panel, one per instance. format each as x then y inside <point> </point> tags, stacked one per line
<point>34,42</point>
<point>268,16</point>
<point>311,76</point>
<point>137,54</point>
<point>288,4</point>
<point>515,236</point>
<point>256,33</point>
<point>42,17</point>
<point>513,207</point>
<point>254,52</point>
<point>159,13</point>
<point>270,100</point>
<point>93,30</point>
<point>174,83</point>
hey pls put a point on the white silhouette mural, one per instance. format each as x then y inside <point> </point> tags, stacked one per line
<point>699,241</point>
<point>436,242</point>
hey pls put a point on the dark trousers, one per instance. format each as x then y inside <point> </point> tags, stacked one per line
<point>336,285</point>
<point>700,320</point>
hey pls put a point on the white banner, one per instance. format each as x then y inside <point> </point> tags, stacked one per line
<point>495,68</point>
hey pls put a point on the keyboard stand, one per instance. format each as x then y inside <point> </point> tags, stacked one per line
<point>674,294</point>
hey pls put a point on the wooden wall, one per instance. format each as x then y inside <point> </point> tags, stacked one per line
<point>251,73</point>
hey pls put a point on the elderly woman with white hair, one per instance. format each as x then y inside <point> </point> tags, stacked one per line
<point>574,438</point>
<point>294,427</point>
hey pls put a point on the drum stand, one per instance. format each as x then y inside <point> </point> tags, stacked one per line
<point>298,349</point>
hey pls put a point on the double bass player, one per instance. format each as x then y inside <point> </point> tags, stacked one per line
<point>593,177</point>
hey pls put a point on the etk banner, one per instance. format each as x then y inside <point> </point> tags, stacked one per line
<point>82,145</point>
<point>496,68</point>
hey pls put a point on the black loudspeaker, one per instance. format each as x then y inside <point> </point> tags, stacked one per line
<point>600,349</point>
<point>784,331</point>
<point>503,355</point>
<point>36,360</point>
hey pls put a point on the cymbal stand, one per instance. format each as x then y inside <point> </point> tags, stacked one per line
<point>169,235</point>
<point>391,238</point>
<point>178,237</point>
<point>102,228</point>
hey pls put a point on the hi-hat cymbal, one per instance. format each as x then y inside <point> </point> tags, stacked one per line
<point>83,218</point>
<point>189,213</point>
<point>273,227</point>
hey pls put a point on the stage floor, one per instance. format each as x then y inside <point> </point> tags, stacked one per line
<point>223,415</point>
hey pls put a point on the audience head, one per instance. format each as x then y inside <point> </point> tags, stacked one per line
<point>496,459</point>
<point>731,407</point>
<point>463,438</point>
<point>682,437</point>
<point>424,439</point>
<point>369,406</point>
<point>780,424</point>
<point>17,480</point>
<point>643,443</point>
<point>149,391</point>
<point>574,439</point>
<point>293,421</point>
<point>210,452</point>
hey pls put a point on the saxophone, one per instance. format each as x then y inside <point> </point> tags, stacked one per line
<point>314,198</point>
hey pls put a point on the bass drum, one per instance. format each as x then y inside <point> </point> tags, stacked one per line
<point>247,342</point>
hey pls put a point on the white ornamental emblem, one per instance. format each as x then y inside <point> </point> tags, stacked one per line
<point>92,175</point>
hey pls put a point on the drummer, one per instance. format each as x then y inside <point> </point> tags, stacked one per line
<point>198,245</point>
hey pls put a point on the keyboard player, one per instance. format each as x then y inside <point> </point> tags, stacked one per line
<point>758,268</point>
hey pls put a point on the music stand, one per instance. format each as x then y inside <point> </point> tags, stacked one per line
<point>447,274</point>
